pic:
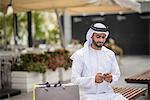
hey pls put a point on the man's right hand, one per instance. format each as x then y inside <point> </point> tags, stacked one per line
<point>99,78</point>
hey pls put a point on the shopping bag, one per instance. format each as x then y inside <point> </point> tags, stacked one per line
<point>56,92</point>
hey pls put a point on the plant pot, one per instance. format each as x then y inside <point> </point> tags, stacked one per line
<point>51,76</point>
<point>25,80</point>
<point>66,74</point>
<point>60,74</point>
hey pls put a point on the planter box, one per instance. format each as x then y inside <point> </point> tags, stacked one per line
<point>54,76</point>
<point>25,80</point>
<point>51,76</point>
<point>66,74</point>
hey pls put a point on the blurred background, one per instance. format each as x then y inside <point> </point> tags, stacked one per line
<point>31,25</point>
<point>40,36</point>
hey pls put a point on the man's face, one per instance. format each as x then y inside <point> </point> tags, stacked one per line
<point>98,39</point>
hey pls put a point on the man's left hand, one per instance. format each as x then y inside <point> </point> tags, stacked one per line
<point>108,77</point>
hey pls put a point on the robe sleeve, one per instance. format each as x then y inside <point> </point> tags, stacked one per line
<point>77,69</point>
<point>115,70</point>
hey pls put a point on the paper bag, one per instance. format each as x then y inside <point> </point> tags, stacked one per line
<point>70,92</point>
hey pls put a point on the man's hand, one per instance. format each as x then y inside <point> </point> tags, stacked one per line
<point>108,77</point>
<point>99,78</point>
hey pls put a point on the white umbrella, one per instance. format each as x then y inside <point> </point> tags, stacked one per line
<point>107,6</point>
<point>72,6</point>
<point>28,5</point>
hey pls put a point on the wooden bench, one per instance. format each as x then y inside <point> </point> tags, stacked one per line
<point>142,77</point>
<point>129,92</point>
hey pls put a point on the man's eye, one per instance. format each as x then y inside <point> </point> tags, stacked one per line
<point>103,37</point>
<point>98,36</point>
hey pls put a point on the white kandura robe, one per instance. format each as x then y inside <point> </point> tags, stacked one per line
<point>86,63</point>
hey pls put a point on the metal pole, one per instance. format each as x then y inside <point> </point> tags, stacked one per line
<point>148,90</point>
<point>60,28</point>
<point>62,43</point>
<point>15,28</point>
<point>0,75</point>
<point>29,16</point>
<point>149,37</point>
<point>67,28</point>
<point>4,29</point>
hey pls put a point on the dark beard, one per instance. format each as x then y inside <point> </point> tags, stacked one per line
<point>95,43</point>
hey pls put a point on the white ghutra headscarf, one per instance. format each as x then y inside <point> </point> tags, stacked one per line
<point>96,28</point>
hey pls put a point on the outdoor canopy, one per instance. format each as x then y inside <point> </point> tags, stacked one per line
<point>71,6</point>
<point>28,5</point>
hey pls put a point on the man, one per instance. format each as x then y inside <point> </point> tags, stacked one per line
<point>95,68</point>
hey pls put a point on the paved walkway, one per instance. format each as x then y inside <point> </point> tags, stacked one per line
<point>129,66</point>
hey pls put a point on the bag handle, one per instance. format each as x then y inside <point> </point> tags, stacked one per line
<point>47,84</point>
<point>58,84</point>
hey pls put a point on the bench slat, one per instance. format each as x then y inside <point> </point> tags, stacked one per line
<point>130,92</point>
<point>139,93</point>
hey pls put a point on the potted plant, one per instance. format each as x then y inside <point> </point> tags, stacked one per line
<point>59,61</point>
<point>30,63</point>
<point>27,70</point>
<point>28,66</point>
<point>58,58</point>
